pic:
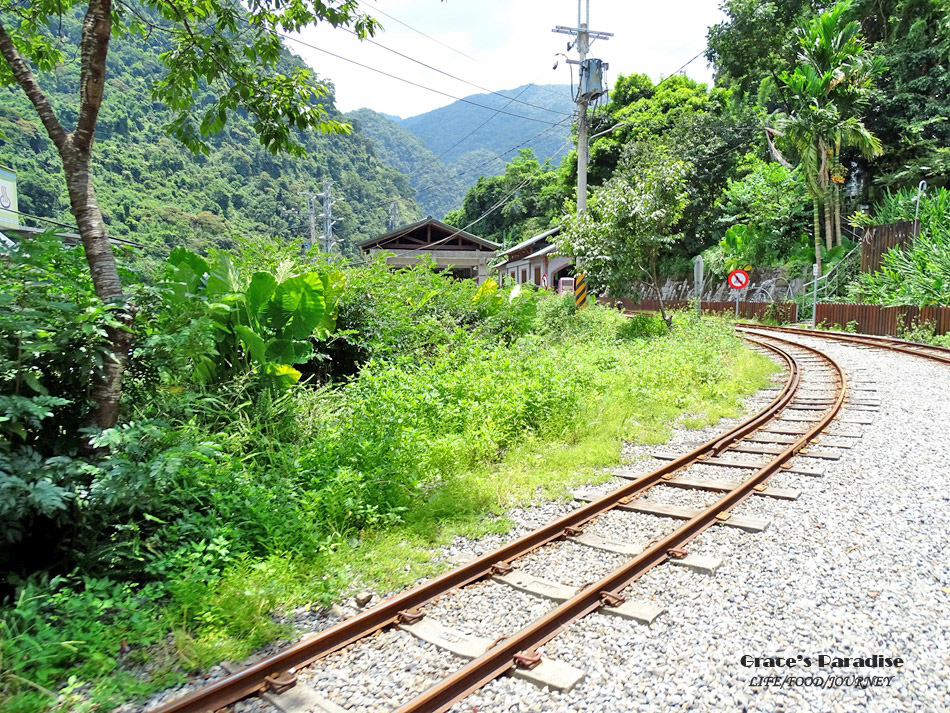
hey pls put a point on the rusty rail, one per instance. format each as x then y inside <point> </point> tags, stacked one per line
<point>928,351</point>
<point>254,678</point>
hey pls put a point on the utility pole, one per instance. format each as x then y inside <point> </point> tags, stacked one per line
<point>312,213</point>
<point>589,89</point>
<point>393,221</point>
<point>327,214</point>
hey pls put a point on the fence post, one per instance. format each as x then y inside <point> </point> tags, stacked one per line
<point>814,301</point>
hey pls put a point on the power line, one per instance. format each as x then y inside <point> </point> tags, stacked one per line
<point>470,133</point>
<point>459,79</point>
<point>36,217</point>
<point>409,81</point>
<point>659,84</point>
<point>454,49</point>
<point>497,157</point>
<point>484,215</point>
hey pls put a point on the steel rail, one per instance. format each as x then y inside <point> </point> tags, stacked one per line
<point>522,645</point>
<point>255,677</point>
<point>940,354</point>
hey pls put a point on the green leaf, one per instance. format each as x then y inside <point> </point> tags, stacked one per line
<point>222,278</point>
<point>182,256</point>
<point>253,341</point>
<point>260,291</point>
<point>285,376</point>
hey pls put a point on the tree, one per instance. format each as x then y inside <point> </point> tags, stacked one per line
<point>910,103</point>
<point>230,48</point>
<point>824,93</point>
<point>629,222</point>
<point>756,42</point>
<point>705,126</point>
<point>515,205</point>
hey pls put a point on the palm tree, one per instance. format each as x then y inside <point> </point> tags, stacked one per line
<point>826,91</point>
<point>804,130</point>
<point>832,46</point>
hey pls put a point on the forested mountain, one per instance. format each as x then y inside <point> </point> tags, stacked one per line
<point>155,192</point>
<point>437,189</point>
<point>446,131</point>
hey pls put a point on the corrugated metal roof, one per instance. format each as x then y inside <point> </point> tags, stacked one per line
<point>542,252</point>
<point>530,241</point>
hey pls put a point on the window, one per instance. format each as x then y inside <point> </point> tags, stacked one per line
<point>537,275</point>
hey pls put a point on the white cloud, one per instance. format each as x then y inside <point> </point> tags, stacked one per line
<point>512,42</point>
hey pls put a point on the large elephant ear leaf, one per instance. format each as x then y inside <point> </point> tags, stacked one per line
<point>287,351</point>
<point>282,305</point>
<point>223,279</point>
<point>334,283</point>
<point>188,270</point>
<point>311,309</point>
<point>182,256</point>
<point>285,376</point>
<point>260,291</point>
<point>253,342</point>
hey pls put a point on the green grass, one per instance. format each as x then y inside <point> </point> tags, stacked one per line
<point>473,504</point>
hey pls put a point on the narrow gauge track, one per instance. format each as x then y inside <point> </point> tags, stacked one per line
<point>788,439</point>
<point>928,351</point>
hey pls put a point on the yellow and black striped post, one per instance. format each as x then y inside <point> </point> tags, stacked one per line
<point>580,290</point>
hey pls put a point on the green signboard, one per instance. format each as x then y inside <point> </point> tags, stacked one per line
<point>8,205</point>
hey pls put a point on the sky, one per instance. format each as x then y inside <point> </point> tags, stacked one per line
<point>500,44</point>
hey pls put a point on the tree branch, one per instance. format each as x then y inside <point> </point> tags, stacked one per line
<point>96,30</point>
<point>24,77</point>
<point>773,150</point>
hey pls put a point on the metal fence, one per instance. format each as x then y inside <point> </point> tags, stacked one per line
<point>779,311</point>
<point>883,321</point>
<point>881,238</point>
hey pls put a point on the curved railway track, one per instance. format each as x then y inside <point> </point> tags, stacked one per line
<point>814,392</point>
<point>927,351</point>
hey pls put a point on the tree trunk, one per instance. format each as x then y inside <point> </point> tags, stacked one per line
<point>829,230</point>
<point>107,389</point>
<point>837,199</point>
<point>836,173</point>
<point>75,151</point>
<point>659,294</point>
<point>816,224</point>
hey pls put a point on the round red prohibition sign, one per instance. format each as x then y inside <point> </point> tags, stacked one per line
<point>738,279</point>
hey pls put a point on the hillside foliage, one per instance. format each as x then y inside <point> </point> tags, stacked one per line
<point>157,193</point>
<point>435,185</point>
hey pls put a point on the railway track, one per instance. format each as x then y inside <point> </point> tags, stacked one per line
<point>927,351</point>
<point>787,435</point>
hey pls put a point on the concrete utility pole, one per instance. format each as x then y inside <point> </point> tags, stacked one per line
<point>589,88</point>
<point>327,215</point>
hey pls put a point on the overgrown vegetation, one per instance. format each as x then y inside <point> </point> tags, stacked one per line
<point>284,436</point>
<point>918,274</point>
<point>816,108</point>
